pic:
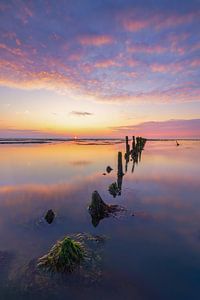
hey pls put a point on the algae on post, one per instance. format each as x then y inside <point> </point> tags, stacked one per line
<point>114,189</point>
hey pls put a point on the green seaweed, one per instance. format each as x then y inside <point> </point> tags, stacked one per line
<point>64,256</point>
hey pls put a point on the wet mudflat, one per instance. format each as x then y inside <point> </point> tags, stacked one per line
<point>149,248</point>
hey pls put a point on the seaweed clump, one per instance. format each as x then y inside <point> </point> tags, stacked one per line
<point>43,279</point>
<point>64,256</point>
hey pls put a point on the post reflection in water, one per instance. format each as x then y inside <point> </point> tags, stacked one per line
<point>153,255</point>
<point>115,188</point>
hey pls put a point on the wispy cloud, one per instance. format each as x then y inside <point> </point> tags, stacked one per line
<point>81,113</point>
<point>134,21</point>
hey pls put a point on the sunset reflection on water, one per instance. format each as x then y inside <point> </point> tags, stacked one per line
<point>154,247</point>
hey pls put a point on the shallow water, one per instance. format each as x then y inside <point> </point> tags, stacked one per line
<point>151,252</point>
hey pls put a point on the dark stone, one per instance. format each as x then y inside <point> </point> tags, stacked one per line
<point>49,217</point>
<point>108,169</point>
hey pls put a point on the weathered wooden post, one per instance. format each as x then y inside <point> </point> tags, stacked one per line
<point>127,154</point>
<point>133,143</point>
<point>127,146</point>
<point>138,143</point>
<point>120,166</point>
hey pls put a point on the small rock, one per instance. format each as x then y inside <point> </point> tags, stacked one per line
<point>108,169</point>
<point>50,215</point>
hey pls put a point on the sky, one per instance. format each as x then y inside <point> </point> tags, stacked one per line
<point>100,68</point>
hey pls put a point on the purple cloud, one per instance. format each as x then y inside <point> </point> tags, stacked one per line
<point>163,129</point>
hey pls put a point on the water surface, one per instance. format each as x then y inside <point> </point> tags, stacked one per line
<point>150,252</point>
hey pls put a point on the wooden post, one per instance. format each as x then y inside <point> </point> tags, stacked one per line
<point>138,143</point>
<point>120,167</point>
<point>127,146</point>
<point>133,143</point>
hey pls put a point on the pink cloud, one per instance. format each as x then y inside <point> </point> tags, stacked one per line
<point>98,40</point>
<point>170,43</point>
<point>163,129</point>
<point>106,63</point>
<point>25,13</point>
<point>176,66</point>
<point>131,22</point>
<point>195,63</point>
<point>132,62</point>
<point>156,49</point>
<point>13,51</point>
<point>166,68</point>
<point>35,79</point>
<point>184,93</point>
<point>135,25</point>
<point>161,21</point>
<point>75,56</point>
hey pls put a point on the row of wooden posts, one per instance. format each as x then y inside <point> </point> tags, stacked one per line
<point>138,144</point>
<point>135,154</point>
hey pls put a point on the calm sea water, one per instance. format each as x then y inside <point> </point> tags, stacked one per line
<point>150,252</point>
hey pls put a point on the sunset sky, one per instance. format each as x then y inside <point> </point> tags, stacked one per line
<point>97,68</point>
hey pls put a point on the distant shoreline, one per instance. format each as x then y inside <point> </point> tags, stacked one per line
<point>15,141</point>
<point>165,140</point>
